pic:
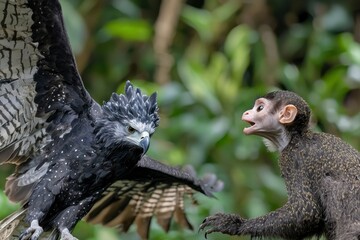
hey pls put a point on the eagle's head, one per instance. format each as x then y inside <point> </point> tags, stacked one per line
<point>129,118</point>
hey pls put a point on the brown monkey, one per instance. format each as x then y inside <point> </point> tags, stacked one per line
<point>321,173</point>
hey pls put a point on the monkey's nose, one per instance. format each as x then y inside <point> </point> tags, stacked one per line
<point>245,114</point>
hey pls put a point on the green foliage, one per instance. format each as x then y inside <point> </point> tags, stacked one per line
<point>6,206</point>
<point>129,30</point>
<point>76,26</point>
<point>225,56</point>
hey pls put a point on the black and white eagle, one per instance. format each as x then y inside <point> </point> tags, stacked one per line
<point>74,158</point>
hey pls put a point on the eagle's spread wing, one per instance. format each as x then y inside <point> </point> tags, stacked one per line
<point>42,96</point>
<point>40,89</point>
<point>152,189</point>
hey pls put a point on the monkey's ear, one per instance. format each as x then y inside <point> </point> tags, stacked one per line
<point>288,114</point>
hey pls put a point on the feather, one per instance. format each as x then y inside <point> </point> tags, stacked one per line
<point>9,224</point>
<point>164,220</point>
<point>181,218</point>
<point>152,189</point>
<point>143,226</point>
<point>15,192</point>
<point>123,219</point>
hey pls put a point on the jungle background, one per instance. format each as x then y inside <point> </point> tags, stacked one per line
<point>209,60</point>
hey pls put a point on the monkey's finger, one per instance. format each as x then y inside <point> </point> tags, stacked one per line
<point>209,231</point>
<point>203,225</point>
<point>207,222</point>
<point>211,218</point>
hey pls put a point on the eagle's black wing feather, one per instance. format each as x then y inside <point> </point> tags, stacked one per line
<point>43,102</point>
<point>152,189</point>
<point>148,168</point>
<point>41,91</point>
<point>57,78</point>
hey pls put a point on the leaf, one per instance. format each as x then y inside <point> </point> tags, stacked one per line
<point>200,19</point>
<point>227,10</point>
<point>129,29</point>
<point>7,207</point>
<point>236,47</point>
<point>217,67</point>
<point>192,75</point>
<point>237,38</point>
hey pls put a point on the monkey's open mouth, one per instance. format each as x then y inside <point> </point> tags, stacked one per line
<point>250,129</point>
<point>248,119</point>
<point>249,122</point>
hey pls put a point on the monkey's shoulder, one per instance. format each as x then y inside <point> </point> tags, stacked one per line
<point>314,142</point>
<point>323,152</point>
<point>328,143</point>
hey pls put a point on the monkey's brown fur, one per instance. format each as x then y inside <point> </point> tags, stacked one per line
<point>322,177</point>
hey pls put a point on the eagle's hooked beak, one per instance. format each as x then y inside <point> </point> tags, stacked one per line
<point>140,139</point>
<point>145,141</point>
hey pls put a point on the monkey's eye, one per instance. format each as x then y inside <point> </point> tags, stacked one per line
<point>130,129</point>
<point>259,108</point>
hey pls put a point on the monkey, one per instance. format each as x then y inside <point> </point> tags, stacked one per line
<point>321,174</point>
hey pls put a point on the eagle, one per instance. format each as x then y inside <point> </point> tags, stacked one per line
<point>74,158</point>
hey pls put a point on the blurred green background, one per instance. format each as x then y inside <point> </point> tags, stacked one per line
<point>208,61</point>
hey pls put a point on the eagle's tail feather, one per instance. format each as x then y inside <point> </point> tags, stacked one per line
<point>10,227</point>
<point>54,235</point>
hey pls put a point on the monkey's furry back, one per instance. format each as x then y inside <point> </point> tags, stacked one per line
<point>333,168</point>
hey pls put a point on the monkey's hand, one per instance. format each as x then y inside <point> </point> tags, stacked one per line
<point>221,222</point>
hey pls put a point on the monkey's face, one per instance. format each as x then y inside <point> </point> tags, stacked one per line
<point>261,119</point>
<point>268,121</point>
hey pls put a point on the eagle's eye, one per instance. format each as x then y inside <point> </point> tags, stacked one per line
<point>130,129</point>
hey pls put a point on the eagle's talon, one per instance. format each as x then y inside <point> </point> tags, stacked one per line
<point>66,235</point>
<point>33,232</point>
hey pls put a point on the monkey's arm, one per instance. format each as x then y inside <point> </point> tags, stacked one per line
<point>298,218</point>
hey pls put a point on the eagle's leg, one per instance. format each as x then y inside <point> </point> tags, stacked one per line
<point>67,218</point>
<point>33,232</point>
<point>66,235</point>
